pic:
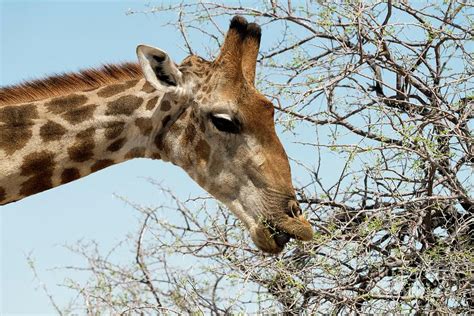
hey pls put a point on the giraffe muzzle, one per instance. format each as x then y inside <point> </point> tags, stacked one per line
<point>275,232</point>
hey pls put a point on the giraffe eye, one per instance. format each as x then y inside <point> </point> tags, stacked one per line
<point>225,123</point>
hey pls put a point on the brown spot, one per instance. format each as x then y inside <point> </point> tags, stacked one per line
<point>116,88</point>
<point>20,136</point>
<point>17,115</point>
<point>136,152</point>
<point>15,131</point>
<point>81,152</point>
<point>87,133</point>
<point>131,83</point>
<point>203,150</point>
<point>111,90</point>
<point>39,166</point>
<point>189,134</point>
<point>116,145</point>
<point>63,104</point>
<point>37,162</point>
<point>80,114</point>
<point>51,131</point>
<point>150,105</point>
<point>101,164</point>
<point>155,156</point>
<point>37,183</point>
<point>83,149</point>
<point>165,105</point>
<point>71,108</point>
<point>125,105</point>
<point>70,174</point>
<point>145,125</point>
<point>148,88</point>
<point>3,194</point>
<point>166,120</point>
<point>159,141</point>
<point>114,129</point>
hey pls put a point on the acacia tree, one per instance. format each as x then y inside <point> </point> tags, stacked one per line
<point>379,92</point>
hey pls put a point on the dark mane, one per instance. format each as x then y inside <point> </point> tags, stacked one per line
<point>66,83</point>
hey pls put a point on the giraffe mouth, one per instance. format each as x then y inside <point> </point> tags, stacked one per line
<point>272,230</point>
<point>272,236</point>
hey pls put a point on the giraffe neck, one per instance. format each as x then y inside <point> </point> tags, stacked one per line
<point>47,143</point>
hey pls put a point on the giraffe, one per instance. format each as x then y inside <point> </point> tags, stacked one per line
<point>206,117</point>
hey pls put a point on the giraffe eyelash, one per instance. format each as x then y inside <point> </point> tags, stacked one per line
<point>225,123</point>
<point>222,116</point>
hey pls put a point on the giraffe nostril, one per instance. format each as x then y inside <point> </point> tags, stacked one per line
<point>294,209</point>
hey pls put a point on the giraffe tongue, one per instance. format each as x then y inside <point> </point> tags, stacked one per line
<point>280,237</point>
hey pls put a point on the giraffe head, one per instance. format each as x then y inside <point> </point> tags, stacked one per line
<point>225,138</point>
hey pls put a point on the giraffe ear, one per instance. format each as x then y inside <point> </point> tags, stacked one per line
<point>159,70</point>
